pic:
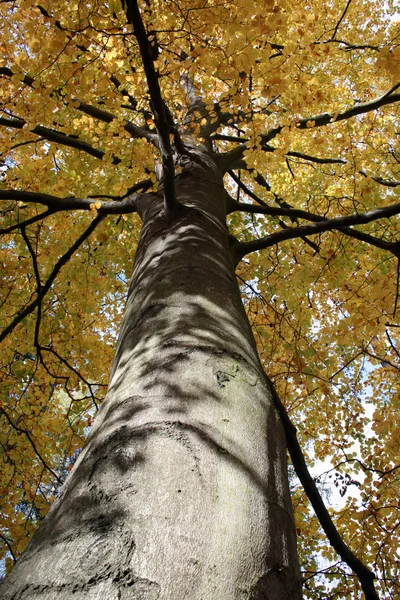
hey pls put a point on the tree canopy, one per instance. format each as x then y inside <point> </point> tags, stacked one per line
<point>301,101</point>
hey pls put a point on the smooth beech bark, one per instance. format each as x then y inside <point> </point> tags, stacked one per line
<point>181,491</point>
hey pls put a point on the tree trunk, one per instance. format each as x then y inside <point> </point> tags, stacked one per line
<point>181,490</point>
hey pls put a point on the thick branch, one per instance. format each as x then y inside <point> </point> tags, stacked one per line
<point>102,115</point>
<point>93,111</point>
<point>157,103</point>
<point>243,248</point>
<point>196,103</point>
<point>364,574</point>
<point>381,181</point>
<point>233,159</point>
<point>341,161</point>
<point>294,214</point>
<point>328,118</point>
<point>58,137</point>
<point>317,159</point>
<point>55,204</point>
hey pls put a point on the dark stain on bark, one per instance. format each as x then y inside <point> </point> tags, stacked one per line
<point>275,579</point>
<point>222,378</point>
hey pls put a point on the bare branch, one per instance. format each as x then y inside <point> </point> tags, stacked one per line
<point>380,359</point>
<point>329,118</point>
<point>349,47</point>
<point>341,19</point>
<point>316,159</point>
<point>8,544</point>
<point>243,248</point>
<point>157,104</point>
<point>52,135</point>
<point>234,159</point>
<point>55,203</point>
<point>234,206</point>
<point>56,269</point>
<point>102,115</point>
<point>27,222</point>
<point>294,214</point>
<point>28,435</point>
<point>51,350</point>
<point>34,259</point>
<point>397,289</point>
<point>365,576</point>
<point>342,161</point>
<point>381,181</point>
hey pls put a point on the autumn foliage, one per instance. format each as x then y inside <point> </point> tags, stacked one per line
<point>304,98</point>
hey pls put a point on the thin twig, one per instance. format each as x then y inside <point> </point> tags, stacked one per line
<point>28,435</point>
<point>341,19</point>
<point>27,222</point>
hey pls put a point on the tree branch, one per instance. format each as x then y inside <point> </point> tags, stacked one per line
<point>243,248</point>
<point>27,222</point>
<point>365,576</point>
<point>55,203</point>
<point>316,159</point>
<point>34,260</point>
<point>329,118</point>
<point>341,161</point>
<point>341,19</point>
<point>196,105</point>
<point>234,159</point>
<point>56,269</point>
<point>102,115</point>
<point>28,435</point>
<point>157,104</point>
<point>381,181</point>
<point>93,111</point>
<point>233,206</point>
<point>8,544</point>
<point>294,213</point>
<point>58,137</point>
<point>51,350</point>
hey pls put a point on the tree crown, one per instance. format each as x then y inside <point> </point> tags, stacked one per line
<point>298,102</point>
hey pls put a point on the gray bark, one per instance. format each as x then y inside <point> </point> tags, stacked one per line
<point>181,490</point>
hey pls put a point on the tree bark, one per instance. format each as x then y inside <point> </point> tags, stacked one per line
<point>181,490</point>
